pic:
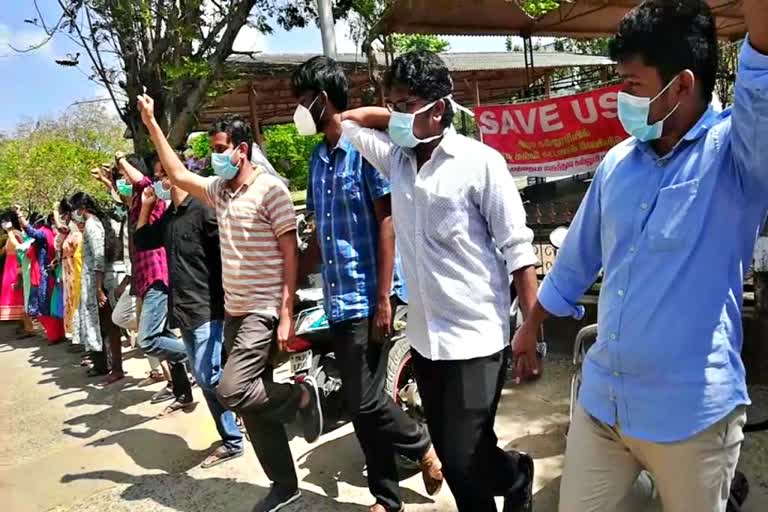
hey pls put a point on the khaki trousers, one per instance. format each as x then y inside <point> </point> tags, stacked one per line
<point>602,464</point>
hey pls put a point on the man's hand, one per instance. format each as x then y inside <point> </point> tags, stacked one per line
<point>382,321</point>
<point>285,332</point>
<point>148,198</point>
<point>146,107</point>
<point>524,352</point>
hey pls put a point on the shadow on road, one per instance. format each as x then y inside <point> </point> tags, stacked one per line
<point>341,460</point>
<point>184,493</point>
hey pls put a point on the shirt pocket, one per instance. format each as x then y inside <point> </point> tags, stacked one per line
<point>447,217</point>
<point>670,223</point>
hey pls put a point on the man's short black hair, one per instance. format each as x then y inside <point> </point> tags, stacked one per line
<point>322,74</point>
<point>425,75</point>
<point>237,130</point>
<point>671,36</point>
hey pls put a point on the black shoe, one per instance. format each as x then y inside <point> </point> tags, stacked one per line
<point>278,498</point>
<point>312,414</point>
<point>520,497</point>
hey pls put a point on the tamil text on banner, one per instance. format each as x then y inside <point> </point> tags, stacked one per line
<point>555,137</point>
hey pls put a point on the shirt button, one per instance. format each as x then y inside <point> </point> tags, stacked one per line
<point>328,238</point>
<point>621,293</point>
<point>613,336</point>
<point>632,250</point>
<point>327,214</point>
<point>333,285</point>
<point>329,191</point>
<point>643,206</point>
<point>616,374</point>
<point>330,262</point>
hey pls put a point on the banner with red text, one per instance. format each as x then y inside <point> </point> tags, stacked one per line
<point>554,137</point>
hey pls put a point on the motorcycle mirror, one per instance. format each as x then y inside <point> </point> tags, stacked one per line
<point>557,236</point>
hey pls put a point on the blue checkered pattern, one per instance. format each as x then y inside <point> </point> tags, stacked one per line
<point>341,192</point>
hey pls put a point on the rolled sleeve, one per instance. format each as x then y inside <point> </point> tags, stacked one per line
<point>555,303</point>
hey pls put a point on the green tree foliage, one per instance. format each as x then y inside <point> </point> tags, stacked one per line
<point>176,50</point>
<point>289,152</point>
<point>403,43</point>
<point>42,162</point>
<point>595,46</point>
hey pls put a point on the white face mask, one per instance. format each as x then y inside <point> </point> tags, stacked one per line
<point>302,118</point>
<point>7,226</point>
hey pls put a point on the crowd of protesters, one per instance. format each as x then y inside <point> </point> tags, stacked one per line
<point>201,273</point>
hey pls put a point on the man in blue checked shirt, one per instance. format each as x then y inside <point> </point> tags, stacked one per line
<point>671,217</point>
<point>356,245</point>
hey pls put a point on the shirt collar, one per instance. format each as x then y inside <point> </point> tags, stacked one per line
<point>447,144</point>
<point>257,169</point>
<point>344,145</point>
<point>184,204</point>
<point>705,122</point>
<point>702,126</point>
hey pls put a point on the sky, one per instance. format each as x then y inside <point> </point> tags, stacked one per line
<point>32,85</point>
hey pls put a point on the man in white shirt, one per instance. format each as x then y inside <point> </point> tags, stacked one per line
<point>460,227</point>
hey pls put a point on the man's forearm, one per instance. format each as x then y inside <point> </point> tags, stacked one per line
<point>171,163</point>
<point>289,249</point>
<point>368,117</point>
<point>527,285</point>
<point>756,18</point>
<point>99,280</point>
<point>386,259</point>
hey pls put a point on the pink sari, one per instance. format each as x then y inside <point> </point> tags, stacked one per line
<point>11,296</point>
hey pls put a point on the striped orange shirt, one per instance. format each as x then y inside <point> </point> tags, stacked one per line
<point>251,219</point>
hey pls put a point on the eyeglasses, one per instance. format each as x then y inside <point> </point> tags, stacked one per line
<point>400,106</point>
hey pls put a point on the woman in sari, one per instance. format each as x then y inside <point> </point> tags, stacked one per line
<point>41,254</point>
<point>72,261</point>
<point>94,318</point>
<point>11,289</point>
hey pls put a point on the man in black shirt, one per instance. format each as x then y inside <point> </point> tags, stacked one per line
<point>190,235</point>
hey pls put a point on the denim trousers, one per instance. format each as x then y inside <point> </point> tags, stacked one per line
<point>204,350</point>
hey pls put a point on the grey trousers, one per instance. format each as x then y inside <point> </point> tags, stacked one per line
<point>247,388</point>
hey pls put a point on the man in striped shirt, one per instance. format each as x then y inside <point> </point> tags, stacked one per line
<point>257,228</point>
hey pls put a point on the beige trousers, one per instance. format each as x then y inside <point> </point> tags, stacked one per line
<point>602,464</point>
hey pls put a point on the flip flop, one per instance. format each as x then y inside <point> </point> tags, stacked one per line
<point>221,455</point>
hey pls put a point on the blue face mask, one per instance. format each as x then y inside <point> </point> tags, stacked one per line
<point>401,128</point>
<point>223,166</point>
<point>161,192</point>
<point>634,112</point>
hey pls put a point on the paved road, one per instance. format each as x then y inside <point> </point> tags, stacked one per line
<point>69,445</point>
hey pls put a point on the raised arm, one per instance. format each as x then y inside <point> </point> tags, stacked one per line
<point>365,128</point>
<point>132,174</point>
<point>750,108</point>
<point>148,236</point>
<point>177,172</point>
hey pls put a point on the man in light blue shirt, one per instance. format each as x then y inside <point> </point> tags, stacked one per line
<point>671,218</point>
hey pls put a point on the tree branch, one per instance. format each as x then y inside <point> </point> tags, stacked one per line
<point>96,60</point>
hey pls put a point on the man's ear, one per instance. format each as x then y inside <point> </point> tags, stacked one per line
<point>687,84</point>
<point>438,111</point>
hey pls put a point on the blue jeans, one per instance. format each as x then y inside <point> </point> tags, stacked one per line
<point>155,338</point>
<point>204,346</point>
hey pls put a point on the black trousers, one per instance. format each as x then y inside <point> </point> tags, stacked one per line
<point>382,428</point>
<point>460,400</point>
